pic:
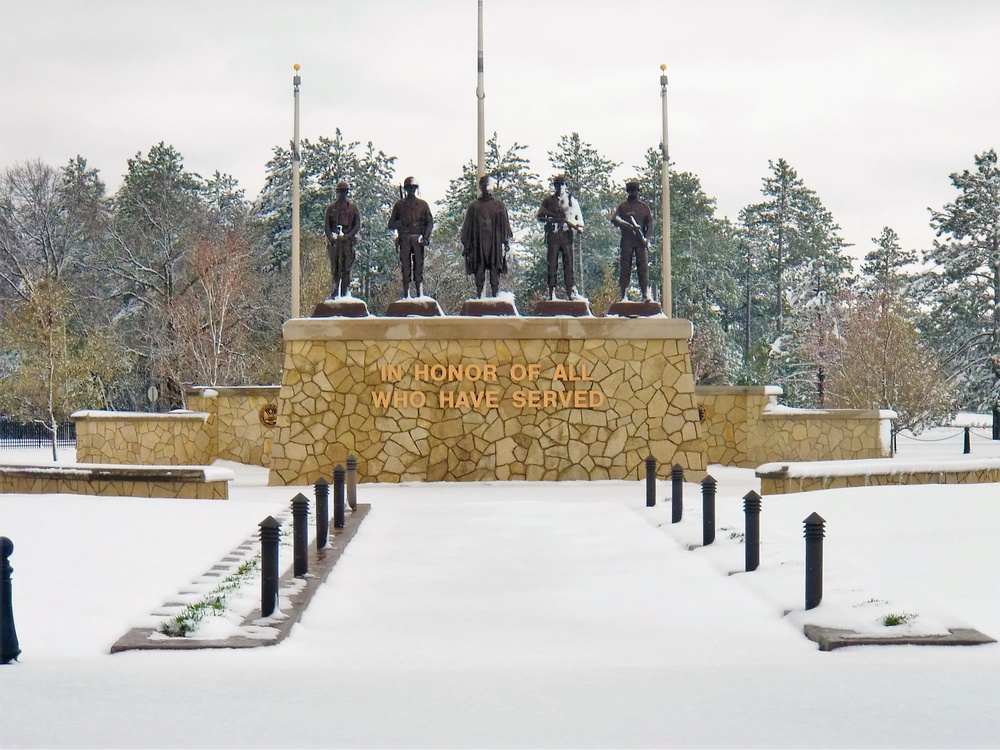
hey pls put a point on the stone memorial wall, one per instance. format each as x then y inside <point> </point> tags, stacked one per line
<point>466,399</point>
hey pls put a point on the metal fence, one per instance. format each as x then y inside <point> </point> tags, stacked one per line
<point>18,435</point>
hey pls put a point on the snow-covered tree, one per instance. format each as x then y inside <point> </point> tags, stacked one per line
<point>788,232</point>
<point>52,222</point>
<point>965,283</point>
<point>879,361</point>
<point>883,273</point>
<point>793,262</point>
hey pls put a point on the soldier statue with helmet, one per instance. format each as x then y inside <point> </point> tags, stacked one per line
<point>560,212</point>
<point>412,221</point>
<point>634,219</point>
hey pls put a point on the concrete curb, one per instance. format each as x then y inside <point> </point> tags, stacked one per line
<point>297,592</point>
<point>833,638</point>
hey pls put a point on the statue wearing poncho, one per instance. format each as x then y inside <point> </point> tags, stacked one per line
<point>486,235</point>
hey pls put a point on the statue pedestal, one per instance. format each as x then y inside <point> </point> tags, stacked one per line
<point>341,307</point>
<point>423,307</point>
<point>426,399</point>
<point>576,308</point>
<point>627,309</point>
<point>488,306</point>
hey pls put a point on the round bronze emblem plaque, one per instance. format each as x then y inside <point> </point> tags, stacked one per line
<point>268,415</point>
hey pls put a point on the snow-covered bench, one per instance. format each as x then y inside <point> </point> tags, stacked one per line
<point>801,476</point>
<point>113,480</point>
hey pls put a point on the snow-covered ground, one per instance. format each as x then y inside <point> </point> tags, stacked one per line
<point>519,615</point>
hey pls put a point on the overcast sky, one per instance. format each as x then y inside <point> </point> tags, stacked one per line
<point>874,103</point>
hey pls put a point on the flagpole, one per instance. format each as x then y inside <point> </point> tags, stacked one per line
<point>667,297</point>
<point>480,96</point>
<point>295,199</point>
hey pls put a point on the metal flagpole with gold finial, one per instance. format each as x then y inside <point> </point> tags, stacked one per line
<point>296,165</point>
<point>667,297</point>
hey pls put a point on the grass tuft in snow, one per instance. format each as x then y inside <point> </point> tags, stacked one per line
<point>735,533</point>
<point>213,603</point>
<point>891,620</point>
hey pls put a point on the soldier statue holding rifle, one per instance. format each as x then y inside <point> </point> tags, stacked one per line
<point>634,219</point>
<point>563,221</point>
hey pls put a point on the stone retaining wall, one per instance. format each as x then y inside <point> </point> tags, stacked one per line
<point>781,478</point>
<point>730,420</point>
<point>175,438</point>
<point>118,481</point>
<point>240,421</point>
<point>466,399</point>
<point>822,435</point>
<point>745,426</point>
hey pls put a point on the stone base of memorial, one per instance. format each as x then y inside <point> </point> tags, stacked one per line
<point>575,308</point>
<point>469,399</point>
<point>628,309</point>
<point>423,307</point>
<point>488,306</point>
<point>341,307</point>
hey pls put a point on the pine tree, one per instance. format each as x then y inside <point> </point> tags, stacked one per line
<point>789,230</point>
<point>884,265</point>
<point>965,321</point>
<point>792,248</point>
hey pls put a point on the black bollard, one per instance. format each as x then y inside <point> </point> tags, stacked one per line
<point>814,559</point>
<point>708,485</point>
<point>676,493</point>
<point>967,448</point>
<point>300,534</point>
<point>352,482</point>
<point>650,481</point>
<point>338,497</point>
<point>322,490</point>
<point>9,649</point>
<point>270,534</point>
<point>751,539</point>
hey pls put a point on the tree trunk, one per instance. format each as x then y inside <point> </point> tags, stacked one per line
<point>53,429</point>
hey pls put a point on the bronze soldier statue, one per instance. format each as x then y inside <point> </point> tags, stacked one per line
<point>412,220</point>
<point>563,220</point>
<point>486,235</point>
<point>634,219</point>
<point>341,228</point>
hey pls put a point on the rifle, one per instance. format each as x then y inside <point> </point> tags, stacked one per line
<point>555,221</point>
<point>633,225</point>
